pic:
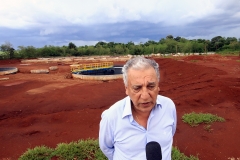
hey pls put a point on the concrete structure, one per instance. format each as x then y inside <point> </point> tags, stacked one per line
<point>39,71</point>
<point>117,75</point>
<point>8,70</point>
<point>98,77</point>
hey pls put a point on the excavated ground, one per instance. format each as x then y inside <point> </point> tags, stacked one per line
<point>47,109</point>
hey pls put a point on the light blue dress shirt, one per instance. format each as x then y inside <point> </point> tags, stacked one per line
<point>122,138</point>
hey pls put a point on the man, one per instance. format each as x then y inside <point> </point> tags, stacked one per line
<point>143,116</point>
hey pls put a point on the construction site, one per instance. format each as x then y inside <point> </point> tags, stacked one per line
<point>48,101</point>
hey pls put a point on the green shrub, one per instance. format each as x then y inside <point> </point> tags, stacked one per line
<point>68,151</point>
<point>38,153</point>
<point>81,150</point>
<point>194,119</point>
<point>177,155</point>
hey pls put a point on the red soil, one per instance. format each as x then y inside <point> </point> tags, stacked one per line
<point>47,109</point>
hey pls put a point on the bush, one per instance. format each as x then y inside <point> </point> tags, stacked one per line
<point>177,155</point>
<point>81,150</point>
<point>194,119</point>
<point>38,153</point>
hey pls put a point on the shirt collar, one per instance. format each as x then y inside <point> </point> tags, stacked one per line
<point>127,108</point>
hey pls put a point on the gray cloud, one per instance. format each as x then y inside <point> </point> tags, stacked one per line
<point>116,21</point>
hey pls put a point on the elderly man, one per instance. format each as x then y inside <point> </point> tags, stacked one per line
<point>141,117</point>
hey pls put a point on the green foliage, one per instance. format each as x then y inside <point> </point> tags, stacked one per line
<point>222,45</point>
<point>228,52</point>
<point>4,55</point>
<point>68,151</point>
<point>81,150</point>
<point>37,153</point>
<point>28,52</point>
<point>6,51</point>
<point>177,155</point>
<point>194,119</point>
<point>72,46</point>
<point>49,51</point>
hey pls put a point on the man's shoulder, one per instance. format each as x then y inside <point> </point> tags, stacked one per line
<point>116,109</point>
<point>163,100</point>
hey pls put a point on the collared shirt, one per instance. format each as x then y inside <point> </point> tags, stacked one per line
<point>122,138</point>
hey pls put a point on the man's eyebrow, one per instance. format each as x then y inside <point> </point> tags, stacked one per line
<point>137,85</point>
<point>151,83</point>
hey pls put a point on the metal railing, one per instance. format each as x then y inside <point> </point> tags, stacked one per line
<point>90,66</point>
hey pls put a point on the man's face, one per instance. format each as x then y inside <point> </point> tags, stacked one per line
<point>142,88</point>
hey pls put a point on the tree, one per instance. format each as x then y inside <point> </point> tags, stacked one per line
<point>217,42</point>
<point>71,46</point>
<point>7,48</point>
<point>169,37</point>
<point>230,39</point>
<point>130,45</point>
<point>47,51</point>
<point>11,53</point>
<point>27,52</point>
<point>171,46</point>
<point>177,39</point>
<point>162,41</point>
<point>110,45</point>
<point>101,44</point>
<point>119,49</point>
<point>161,48</point>
<point>149,43</point>
<point>234,45</point>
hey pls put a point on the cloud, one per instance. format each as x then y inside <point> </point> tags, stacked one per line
<point>57,22</point>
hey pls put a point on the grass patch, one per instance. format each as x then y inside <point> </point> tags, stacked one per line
<point>39,152</point>
<point>81,150</point>
<point>194,119</point>
<point>194,60</point>
<point>208,128</point>
<point>228,53</point>
<point>177,155</point>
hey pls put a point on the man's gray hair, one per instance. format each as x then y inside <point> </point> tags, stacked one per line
<point>139,63</point>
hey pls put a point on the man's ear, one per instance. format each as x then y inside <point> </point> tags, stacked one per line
<point>126,90</point>
<point>158,89</point>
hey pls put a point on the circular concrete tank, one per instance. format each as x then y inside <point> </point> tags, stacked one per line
<point>8,70</point>
<point>117,75</point>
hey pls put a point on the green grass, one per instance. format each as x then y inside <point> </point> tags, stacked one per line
<point>228,53</point>
<point>38,153</point>
<point>194,60</point>
<point>81,150</point>
<point>194,119</point>
<point>208,128</point>
<point>177,155</point>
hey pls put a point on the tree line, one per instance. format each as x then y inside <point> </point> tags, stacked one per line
<point>166,45</point>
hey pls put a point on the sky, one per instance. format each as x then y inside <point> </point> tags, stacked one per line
<point>85,22</point>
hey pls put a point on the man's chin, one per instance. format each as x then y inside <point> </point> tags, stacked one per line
<point>146,107</point>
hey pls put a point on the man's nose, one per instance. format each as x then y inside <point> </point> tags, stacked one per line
<point>145,93</point>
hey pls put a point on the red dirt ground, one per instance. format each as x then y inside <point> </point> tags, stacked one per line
<point>47,109</point>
